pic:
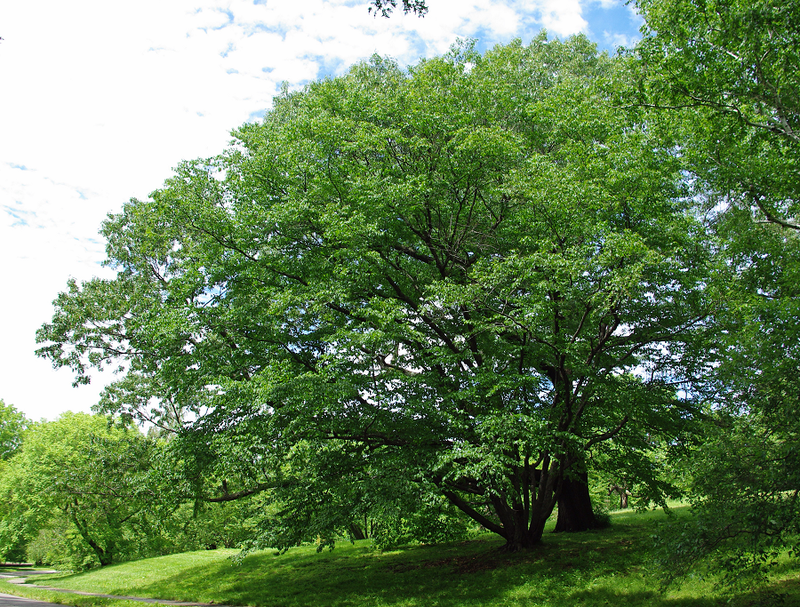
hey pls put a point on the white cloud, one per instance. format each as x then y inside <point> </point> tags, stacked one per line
<point>564,17</point>
<point>100,99</point>
<point>55,239</point>
<point>616,39</point>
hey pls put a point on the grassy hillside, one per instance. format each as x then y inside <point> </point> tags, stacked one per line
<point>607,567</point>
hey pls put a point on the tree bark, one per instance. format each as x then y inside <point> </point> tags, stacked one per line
<point>575,505</point>
<point>357,533</point>
<point>522,527</point>
<point>623,492</point>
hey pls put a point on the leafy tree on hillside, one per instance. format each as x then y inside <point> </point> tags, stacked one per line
<point>84,476</point>
<point>467,277</point>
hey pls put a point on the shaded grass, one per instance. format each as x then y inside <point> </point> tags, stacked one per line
<point>605,567</point>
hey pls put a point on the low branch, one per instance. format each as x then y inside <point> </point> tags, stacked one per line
<point>476,516</point>
<point>607,435</point>
<point>229,497</point>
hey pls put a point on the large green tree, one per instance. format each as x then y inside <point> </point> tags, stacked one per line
<point>13,424</point>
<point>745,487</point>
<point>468,277</point>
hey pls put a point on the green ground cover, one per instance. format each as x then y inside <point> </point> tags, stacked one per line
<point>607,567</point>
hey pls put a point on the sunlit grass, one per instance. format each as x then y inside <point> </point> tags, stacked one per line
<point>605,567</point>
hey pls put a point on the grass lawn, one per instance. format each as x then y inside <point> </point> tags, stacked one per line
<point>607,567</point>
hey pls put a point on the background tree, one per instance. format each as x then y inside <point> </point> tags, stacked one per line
<point>473,274</point>
<point>725,72</point>
<point>729,69</point>
<point>745,487</point>
<point>83,474</point>
<point>385,7</point>
<point>12,425</point>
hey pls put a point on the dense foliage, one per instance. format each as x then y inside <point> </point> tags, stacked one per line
<point>12,425</point>
<point>728,71</point>
<point>726,74</point>
<point>81,479</point>
<point>458,281</point>
<point>408,302</point>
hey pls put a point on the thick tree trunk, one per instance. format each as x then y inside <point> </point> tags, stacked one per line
<point>575,505</point>
<point>518,516</point>
<point>623,492</point>
<point>105,556</point>
<point>522,527</point>
<point>524,537</point>
<point>357,533</point>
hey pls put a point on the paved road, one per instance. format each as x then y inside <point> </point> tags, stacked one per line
<point>9,600</point>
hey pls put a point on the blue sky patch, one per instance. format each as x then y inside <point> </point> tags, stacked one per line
<point>228,13</point>
<point>256,116</point>
<point>481,35</point>
<point>328,65</point>
<point>610,26</point>
<point>250,29</point>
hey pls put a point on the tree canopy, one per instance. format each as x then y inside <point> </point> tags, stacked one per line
<point>470,276</point>
<point>730,69</point>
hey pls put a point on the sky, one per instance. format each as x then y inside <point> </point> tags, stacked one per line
<point>99,100</point>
